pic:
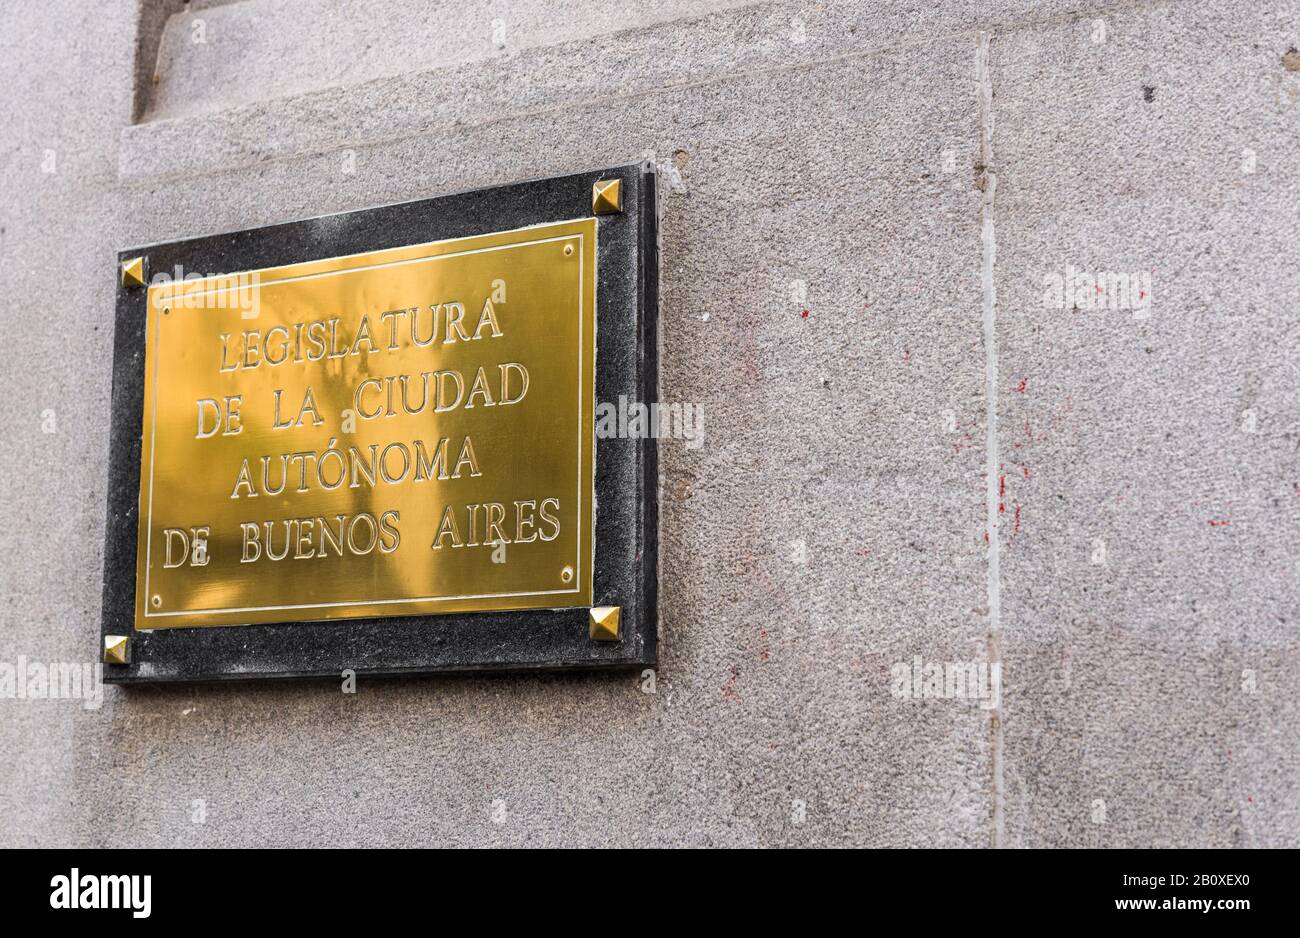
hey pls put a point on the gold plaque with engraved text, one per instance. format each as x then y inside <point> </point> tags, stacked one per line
<point>406,431</point>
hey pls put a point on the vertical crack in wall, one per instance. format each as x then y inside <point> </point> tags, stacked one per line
<point>988,183</point>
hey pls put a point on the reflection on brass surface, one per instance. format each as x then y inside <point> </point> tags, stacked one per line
<point>398,432</point>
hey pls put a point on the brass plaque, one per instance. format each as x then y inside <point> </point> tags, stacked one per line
<point>399,432</point>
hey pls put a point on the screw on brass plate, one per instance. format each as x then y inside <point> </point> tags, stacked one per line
<point>604,623</point>
<point>567,574</point>
<point>568,250</point>
<point>157,600</point>
<point>133,272</point>
<point>607,197</point>
<point>116,650</point>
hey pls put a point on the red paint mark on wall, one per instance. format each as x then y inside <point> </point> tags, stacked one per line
<point>729,691</point>
<point>967,442</point>
<point>1016,529</point>
<point>1021,386</point>
<point>1220,523</point>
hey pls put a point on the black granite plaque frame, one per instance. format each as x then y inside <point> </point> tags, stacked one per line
<point>626,472</point>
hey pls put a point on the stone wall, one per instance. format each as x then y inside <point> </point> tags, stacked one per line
<point>921,439</point>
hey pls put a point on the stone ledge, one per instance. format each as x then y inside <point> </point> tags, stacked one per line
<point>679,54</point>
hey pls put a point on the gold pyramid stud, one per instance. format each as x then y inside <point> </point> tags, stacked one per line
<point>133,272</point>
<point>116,650</point>
<point>604,623</point>
<point>607,197</point>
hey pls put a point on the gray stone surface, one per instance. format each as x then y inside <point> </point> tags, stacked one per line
<point>290,48</point>
<point>1171,439</point>
<point>824,158</point>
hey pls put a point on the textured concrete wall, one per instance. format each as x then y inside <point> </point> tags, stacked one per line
<point>912,450</point>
